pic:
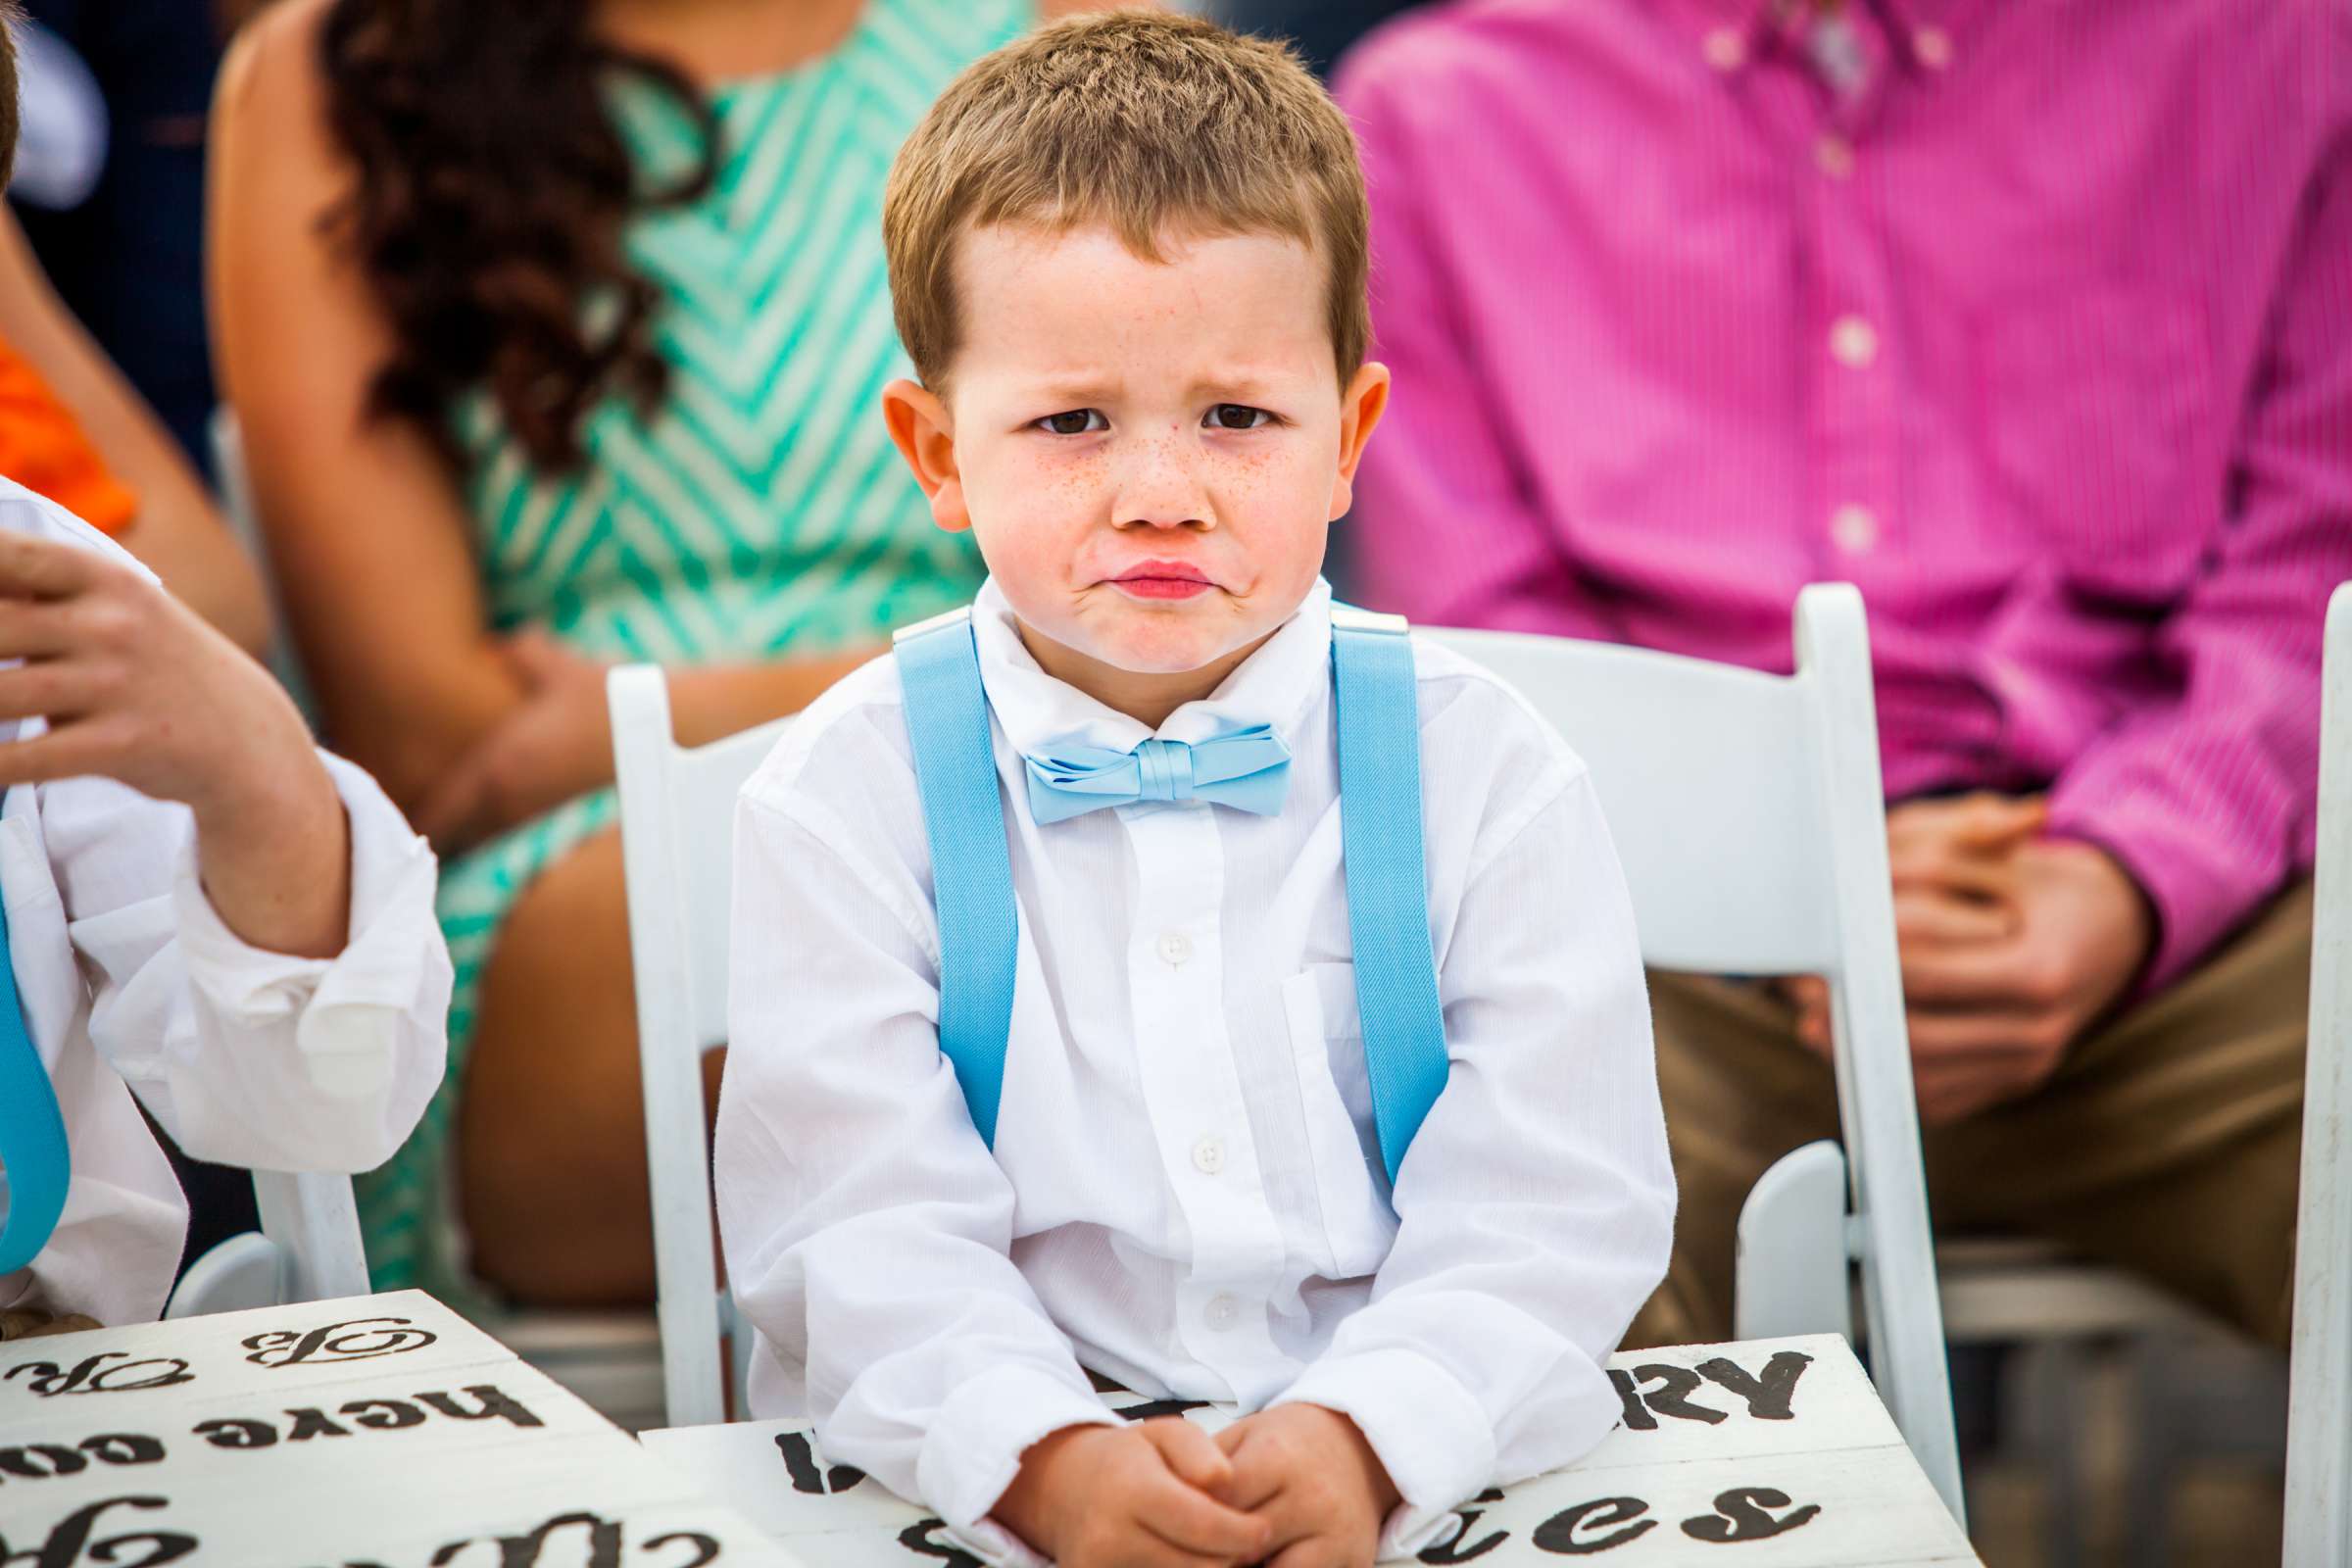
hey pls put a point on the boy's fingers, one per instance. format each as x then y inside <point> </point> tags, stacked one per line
<point>1190,1520</point>
<point>30,629</point>
<point>65,753</point>
<point>1190,1451</point>
<point>44,568</point>
<point>1313,1551</point>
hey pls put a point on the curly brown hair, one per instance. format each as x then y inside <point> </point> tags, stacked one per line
<point>493,187</point>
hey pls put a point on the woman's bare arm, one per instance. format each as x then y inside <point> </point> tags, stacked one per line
<point>367,527</point>
<point>177,533</point>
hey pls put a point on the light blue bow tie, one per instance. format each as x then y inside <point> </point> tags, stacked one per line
<point>1249,769</point>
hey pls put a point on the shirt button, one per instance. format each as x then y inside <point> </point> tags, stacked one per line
<point>1853,342</point>
<point>1724,49</point>
<point>1221,1310</point>
<point>1175,946</point>
<point>1855,529</point>
<point>1933,46</point>
<point>1835,155</point>
<point>1208,1155</point>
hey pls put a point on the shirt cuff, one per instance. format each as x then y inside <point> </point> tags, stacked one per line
<point>350,1007</point>
<point>1431,1433</point>
<point>975,1444</point>
<point>2197,898</point>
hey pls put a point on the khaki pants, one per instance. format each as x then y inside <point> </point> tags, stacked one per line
<point>2167,1143</point>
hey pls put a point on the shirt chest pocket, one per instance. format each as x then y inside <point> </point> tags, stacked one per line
<point>2094,405</point>
<point>1327,1052</point>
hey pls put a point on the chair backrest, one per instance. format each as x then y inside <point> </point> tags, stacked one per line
<point>2319,1426</point>
<point>307,1250</point>
<point>678,815</point>
<point>1750,817</point>
<point>1747,808</point>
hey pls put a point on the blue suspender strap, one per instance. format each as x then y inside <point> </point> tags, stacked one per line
<point>32,1133</point>
<point>971,870</point>
<point>1387,891</point>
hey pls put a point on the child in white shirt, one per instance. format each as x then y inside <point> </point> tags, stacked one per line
<point>1127,256</point>
<point>199,906</point>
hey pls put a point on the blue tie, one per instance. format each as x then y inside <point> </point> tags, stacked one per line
<point>1248,771</point>
<point>32,1130</point>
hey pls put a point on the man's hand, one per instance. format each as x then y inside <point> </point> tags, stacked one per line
<point>136,688</point>
<point>556,745</point>
<point>2012,946</point>
<point>1130,1496</point>
<point>1308,1473</point>
<point>1990,1020</point>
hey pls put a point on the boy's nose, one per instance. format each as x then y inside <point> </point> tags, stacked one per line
<point>1161,490</point>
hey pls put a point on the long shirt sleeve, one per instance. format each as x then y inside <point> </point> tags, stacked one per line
<point>1536,1206</point>
<point>2208,800</point>
<point>868,1230</point>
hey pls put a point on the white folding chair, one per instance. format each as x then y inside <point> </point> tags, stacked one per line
<point>2319,1425</point>
<point>307,1250</point>
<point>1748,813</point>
<point>678,815</point>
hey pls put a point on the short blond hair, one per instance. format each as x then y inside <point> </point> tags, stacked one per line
<point>1146,123</point>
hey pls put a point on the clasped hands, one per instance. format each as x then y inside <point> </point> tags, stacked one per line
<point>2013,944</point>
<point>1291,1487</point>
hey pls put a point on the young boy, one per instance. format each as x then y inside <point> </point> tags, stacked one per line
<point>1128,261</point>
<point>195,903</point>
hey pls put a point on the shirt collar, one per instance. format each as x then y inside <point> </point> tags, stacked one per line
<point>1277,685</point>
<point>1730,34</point>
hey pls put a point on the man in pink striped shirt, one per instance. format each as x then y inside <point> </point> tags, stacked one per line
<point>2033,320</point>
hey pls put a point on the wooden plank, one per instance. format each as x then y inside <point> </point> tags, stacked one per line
<point>374,1431</point>
<point>1779,1448</point>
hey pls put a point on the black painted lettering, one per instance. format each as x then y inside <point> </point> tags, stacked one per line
<point>917,1537</point>
<point>1673,1396</point>
<point>707,1548</point>
<point>1154,1409</point>
<point>236,1434</point>
<point>359,1339</point>
<point>48,1379</point>
<point>41,1461</point>
<point>800,1463</point>
<point>309,1423</point>
<point>1740,1515</point>
<point>1560,1533</point>
<point>123,1447</point>
<point>69,1544</point>
<point>382,1416</point>
<point>1459,1550</point>
<point>1770,1398</point>
<point>493,1404</point>
<point>602,1540</point>
<point>1637,1414</point>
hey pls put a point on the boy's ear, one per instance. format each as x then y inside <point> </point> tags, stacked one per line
<point>918,424</point>
<point>1360,407</point>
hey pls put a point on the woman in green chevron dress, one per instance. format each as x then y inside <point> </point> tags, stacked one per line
<point>555,329</point>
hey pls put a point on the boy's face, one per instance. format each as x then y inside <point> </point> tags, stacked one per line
<point>1150,454</point>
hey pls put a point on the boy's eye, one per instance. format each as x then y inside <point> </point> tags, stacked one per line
<point>1073,421</point>
<point>1236,416</point>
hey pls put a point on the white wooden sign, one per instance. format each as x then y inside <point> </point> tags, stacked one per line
<point>376,1432</point>
<point>1778,1447</point>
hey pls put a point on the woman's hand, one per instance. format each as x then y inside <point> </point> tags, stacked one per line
<point>554,745</point>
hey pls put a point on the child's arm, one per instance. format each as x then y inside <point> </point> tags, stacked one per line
<point>1535,1203</point>
<point>867,1228</point>
<point>210,866</point>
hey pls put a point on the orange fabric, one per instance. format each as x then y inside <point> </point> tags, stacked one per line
<point>43,448</point>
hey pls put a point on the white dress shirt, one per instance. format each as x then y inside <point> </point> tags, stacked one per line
<point>127,976</point>
<point>1186,1193</point>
